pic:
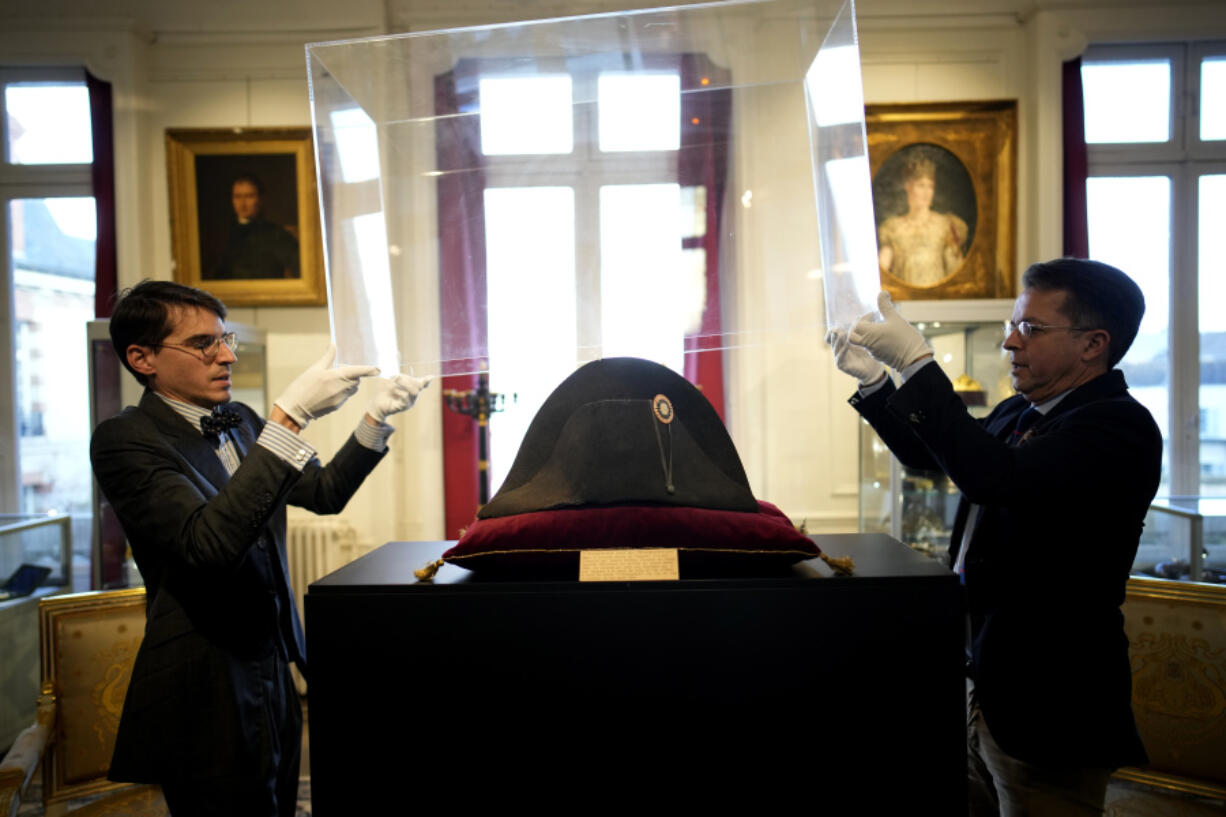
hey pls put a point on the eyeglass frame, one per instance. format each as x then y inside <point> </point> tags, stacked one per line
<point>210,350</point>
<point>1031,326</point>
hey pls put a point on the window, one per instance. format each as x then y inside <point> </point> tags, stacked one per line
<point>1156,134</point>
<point>48,226</point>
<point>600,216</point>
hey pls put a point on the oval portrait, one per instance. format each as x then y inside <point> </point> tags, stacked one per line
<point>926,212</point>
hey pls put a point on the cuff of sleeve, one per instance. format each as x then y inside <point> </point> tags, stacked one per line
<point>873,388</point>
<point>287,445</point>
<point>909,372</point>
<point>373,437</point>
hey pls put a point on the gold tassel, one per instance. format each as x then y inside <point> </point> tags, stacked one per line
<point>426,574</point>
<point>843,565</point>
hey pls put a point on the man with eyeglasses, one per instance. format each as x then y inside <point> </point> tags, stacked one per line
<point>200,485</point>
<point>1055,486</point>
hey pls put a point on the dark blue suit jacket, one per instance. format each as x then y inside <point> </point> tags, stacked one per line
<point>1060,519</point>
<point>211,549</point>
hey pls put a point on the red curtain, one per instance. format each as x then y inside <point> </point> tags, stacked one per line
<point>461,220</point>
<point>706,127</point>
<point>106,265</point>
<point>1076,167</point>
<point>108,554</point>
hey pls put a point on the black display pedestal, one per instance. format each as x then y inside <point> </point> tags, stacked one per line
<point>561,696</point>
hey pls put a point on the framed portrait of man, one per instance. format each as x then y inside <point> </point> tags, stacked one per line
<point>944,198</point>
<point>245,216</point>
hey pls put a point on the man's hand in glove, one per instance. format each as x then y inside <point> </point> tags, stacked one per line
<point>395,394</point>
<point>319,390</point>
<point>854,360</point>
<point>894,342</point>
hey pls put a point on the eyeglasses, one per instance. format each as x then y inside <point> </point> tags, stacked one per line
<point>208,347</point>
<point>1028,329</point>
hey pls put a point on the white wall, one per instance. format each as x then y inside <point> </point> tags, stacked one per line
<point>238,64</point>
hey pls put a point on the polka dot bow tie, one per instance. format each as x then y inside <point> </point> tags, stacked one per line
<point>221,419</point>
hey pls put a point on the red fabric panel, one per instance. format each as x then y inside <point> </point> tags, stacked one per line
<point>461,232</point>
<point>550,541</point>
<point>459,461</point>
<point>706,126</point>
<point>1076,164</point>
<point>102,175</point>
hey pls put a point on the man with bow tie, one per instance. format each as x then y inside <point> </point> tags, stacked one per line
<point>1055,484</point>
<point>200,486</point>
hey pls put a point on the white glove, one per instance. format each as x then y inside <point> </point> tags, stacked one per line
<point>395,394</point>
<point>894,342</point>
<point>321,389</point>
<point>852,359</point>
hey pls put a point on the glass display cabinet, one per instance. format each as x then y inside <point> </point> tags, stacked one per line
<point>1184,540</point>
<point>41,542</point>
<point>110,390</point>
<point>44,540</point>
<point>917,506</point>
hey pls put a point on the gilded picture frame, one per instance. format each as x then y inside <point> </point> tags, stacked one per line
<point>945,198</point>
<point>244,214</point>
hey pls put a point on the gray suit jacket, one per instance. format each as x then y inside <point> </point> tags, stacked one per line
<point>211,549</point>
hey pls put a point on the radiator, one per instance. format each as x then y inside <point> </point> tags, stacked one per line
<point>315,548</point>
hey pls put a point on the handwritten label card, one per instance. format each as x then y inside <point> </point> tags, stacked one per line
<point>646,565</point>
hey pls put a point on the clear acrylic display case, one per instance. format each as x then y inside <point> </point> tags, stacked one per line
<point>658,183</point>
<point>918,506</point>
<point>1184,540</point>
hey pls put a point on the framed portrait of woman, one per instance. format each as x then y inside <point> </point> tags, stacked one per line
<point>945,198</point>
<point>245,215</point>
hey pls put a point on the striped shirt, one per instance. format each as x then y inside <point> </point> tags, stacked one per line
<point>276,438</point>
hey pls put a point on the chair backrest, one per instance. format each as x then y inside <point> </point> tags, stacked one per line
<point>88,643</point>
<point>1177,635</point>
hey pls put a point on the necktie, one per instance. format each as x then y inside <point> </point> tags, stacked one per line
<point>1024,422</point>
<point>1027,419</point>
<point>221,419</point>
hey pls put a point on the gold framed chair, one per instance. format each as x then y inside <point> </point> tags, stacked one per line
<point>88,643</point>
<point>1177,637</point>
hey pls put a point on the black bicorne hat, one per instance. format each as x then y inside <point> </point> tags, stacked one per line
<point>624,431</point>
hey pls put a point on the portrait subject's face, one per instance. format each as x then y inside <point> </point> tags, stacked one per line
<point>920,190</point>
<point>246,200</point>
<point>186,373</point>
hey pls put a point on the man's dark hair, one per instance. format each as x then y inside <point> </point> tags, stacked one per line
<point>251,179</point>
<point>144,315</point>
<point>1097,295</point>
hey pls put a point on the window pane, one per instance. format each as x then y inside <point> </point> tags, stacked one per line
<point>1127,101</point>
<point>646,296</point>
<point>1213,99</point>
<point>357,144</point>
<point>1130,227</point>
<point>51,254</point>
<point>48,124</point>
<point>1212,255</point>
<point>530,291</point>
<point>639,111</point>
<point>526,115</point>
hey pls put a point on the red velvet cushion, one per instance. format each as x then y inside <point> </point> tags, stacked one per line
<point>707,541</point>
